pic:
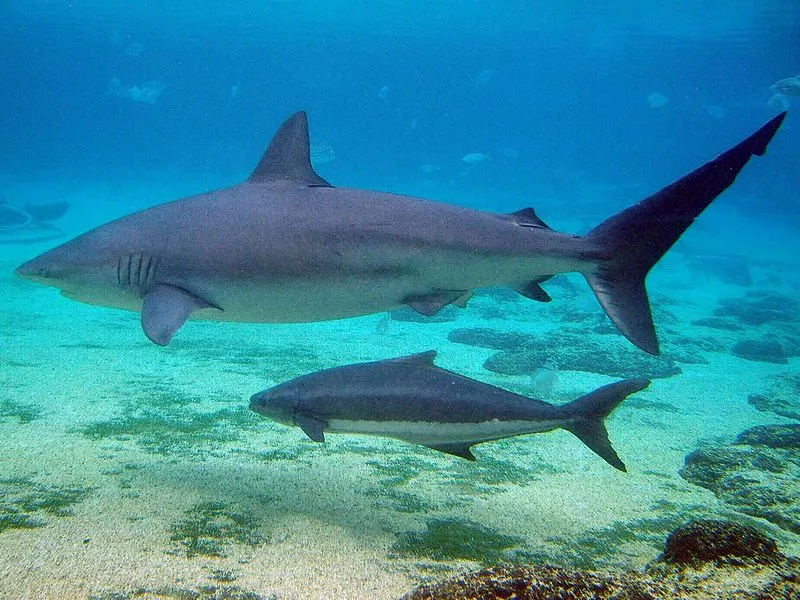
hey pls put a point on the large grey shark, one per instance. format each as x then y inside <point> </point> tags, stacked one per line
<point>286,246</point>
<point>413,400</point>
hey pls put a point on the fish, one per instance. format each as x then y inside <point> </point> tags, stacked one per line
<point>790,86</point>
<point>413,400</point>
<point>473,158</point>
<point>286,246</point>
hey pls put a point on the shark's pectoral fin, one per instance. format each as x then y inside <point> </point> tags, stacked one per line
<point>165,310</point>
<point>462,450</point>
<point>430,304</point>
<point>532,289</point>
<point>313,427</point>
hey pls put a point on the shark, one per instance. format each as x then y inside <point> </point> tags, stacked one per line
<point>286,246</point>
<point>413,400</point>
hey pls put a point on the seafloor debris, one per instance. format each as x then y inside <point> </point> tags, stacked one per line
<point>704,559</point>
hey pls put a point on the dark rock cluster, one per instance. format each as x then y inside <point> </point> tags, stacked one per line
<point>759,308</point>
<point>521,354</point>
<point>758,475</point>
<point>765,350</point>
<point>711,541</point>
<point>781,396</point>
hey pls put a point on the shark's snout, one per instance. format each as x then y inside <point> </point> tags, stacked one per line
<point>35,271</point>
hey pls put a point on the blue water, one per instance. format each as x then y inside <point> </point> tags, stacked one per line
<point>579,111</point>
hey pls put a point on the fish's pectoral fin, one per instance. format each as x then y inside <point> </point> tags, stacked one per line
<point>430,304</point>
<point>165,310</point>
<point>532,289</point>
<point>313,427</point>
<point>461,450</point>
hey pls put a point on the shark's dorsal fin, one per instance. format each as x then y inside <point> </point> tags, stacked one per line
<point>288,157</point>
<point>423,359</point>
<point>527,217</point>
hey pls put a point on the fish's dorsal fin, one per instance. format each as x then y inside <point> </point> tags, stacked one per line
<point>422,359</point>
<point>288,157</point>
<point>527,217</point>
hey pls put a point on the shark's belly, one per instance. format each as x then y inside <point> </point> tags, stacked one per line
<point>382,281</point>
<point>438,433</point>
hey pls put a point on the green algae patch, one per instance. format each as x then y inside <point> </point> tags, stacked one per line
<point>209,528</point>
<point>18,411</point>
<point>174,430</point>
<point>457,539</point>
<point>206,592</point>
<point>24,503</point>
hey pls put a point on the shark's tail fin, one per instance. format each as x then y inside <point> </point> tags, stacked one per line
<point>584,417</point>
<point>632,241</point>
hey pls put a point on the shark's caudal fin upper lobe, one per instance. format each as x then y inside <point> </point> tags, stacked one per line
<point>636,238</point>
<point>584,417</point>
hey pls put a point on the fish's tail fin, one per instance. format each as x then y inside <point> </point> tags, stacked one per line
<point>584,417</point>
<point>632,241</point>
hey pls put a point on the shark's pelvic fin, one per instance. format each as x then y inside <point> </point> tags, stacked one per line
<point>462,450</point>
<point>584,417</point>
<point>633,240</point>
<point>430,304</point>
<point>165,310</point>
<point>533,289</point>
<point>313,427</point>
<point>288,157</point>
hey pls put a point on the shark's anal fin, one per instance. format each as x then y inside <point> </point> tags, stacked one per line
<point>313,427</point>
<point>165,310</point>
<point>458,449</point>
<point>430,304</point>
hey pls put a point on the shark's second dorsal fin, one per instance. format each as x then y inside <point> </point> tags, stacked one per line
<point>527,217</point>
<point>288,157</point>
